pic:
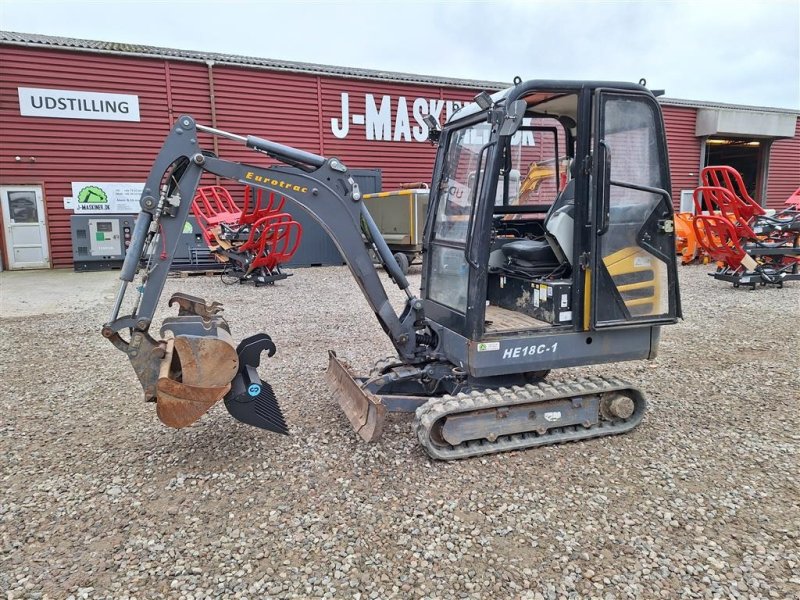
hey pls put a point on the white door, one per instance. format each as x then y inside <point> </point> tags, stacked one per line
<point>25,232</point>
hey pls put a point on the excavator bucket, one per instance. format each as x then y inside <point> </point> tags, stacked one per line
<point>196,372</point>
<point>201,366</point>
<point>364,410</point>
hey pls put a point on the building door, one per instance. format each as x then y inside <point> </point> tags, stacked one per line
<point>24,227</point>
<point>748,156</point>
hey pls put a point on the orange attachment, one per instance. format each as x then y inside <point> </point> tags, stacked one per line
<point>686,239</point>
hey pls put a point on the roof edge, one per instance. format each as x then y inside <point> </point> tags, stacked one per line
<point>34,40</point>
<point>30,40</point>
<point>725,106</point>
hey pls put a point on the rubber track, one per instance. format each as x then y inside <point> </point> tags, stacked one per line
<point>379,366</point>
<point>429,413</point>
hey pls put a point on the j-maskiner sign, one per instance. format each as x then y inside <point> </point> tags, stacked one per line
<point>400,119</point>
<point>73,104</point>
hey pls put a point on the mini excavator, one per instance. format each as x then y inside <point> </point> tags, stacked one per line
<point>584,277</point>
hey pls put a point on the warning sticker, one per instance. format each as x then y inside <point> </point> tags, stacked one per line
<point>488,346</point>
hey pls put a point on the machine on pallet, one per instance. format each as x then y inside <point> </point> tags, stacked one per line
<point>752,246</point>
<point>251,242</point>
<point>400,217</point>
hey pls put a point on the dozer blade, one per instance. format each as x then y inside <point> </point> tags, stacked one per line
<point>363,409</point>
<point>195,373</point>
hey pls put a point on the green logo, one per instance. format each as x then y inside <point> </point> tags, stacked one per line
<point>92,194</point>
<point>481,347</point>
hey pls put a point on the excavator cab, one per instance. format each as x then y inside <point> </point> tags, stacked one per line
<point>580,273</point>
<point>549,243</point>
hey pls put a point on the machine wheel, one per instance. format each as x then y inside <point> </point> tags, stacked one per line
<point>402,261</point>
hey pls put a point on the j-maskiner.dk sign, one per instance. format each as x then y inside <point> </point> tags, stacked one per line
<point>73,104</point>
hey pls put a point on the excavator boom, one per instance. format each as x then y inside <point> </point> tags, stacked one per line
<point>198,364</point>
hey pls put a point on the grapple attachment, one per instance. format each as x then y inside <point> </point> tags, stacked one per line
<point>250,399</point>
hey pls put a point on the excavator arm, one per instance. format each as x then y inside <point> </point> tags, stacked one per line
<point>187,372</point>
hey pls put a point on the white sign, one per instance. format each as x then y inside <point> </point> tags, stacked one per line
<point>399,119</point>
<point>104,197</point>
<point>380,124</point>
<point>73,104</point>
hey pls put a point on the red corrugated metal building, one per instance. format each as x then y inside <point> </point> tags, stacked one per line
<point>354,114</point>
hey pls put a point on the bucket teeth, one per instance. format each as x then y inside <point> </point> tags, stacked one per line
<point>261,410</point>
<point>251,399</point>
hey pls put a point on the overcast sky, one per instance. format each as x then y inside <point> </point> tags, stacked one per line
<point>729,51</point>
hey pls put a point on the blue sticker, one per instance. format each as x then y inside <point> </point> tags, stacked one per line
<point>254,389</point>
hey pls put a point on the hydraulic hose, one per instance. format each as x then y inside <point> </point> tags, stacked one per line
<point>134,252</point>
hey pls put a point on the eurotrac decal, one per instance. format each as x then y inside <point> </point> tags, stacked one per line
<point>279,183</point>
<point>77,104</point>
<point>387,118</point>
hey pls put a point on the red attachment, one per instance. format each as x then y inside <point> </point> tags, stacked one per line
<point>723,201</point>
<point>730,179</point>
<point>274,239</point>
<point>794,199</point>
<point>258,211</point>
<point>718,237</point>
<point>273,236</point>
<point>211,206</point>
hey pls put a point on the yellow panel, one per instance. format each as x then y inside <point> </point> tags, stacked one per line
<point>635,260</point>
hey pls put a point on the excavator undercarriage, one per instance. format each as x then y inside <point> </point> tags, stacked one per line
<point>509,290</point>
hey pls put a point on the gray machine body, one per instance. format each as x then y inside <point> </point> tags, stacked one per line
<point>326,191</point>
<point>316,247</point>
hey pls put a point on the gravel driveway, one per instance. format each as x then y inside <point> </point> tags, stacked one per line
<point>100,500</point>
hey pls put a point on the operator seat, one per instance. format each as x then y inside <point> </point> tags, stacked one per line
<point>556,248</point>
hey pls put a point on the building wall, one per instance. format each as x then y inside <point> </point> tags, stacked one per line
<point>784,170</point>
<point>290,108</point>
<point>298,109</point>
<point>683,148</point>
<point>67,150</point>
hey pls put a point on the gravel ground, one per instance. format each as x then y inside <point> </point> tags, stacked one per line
<point>102,501</point>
